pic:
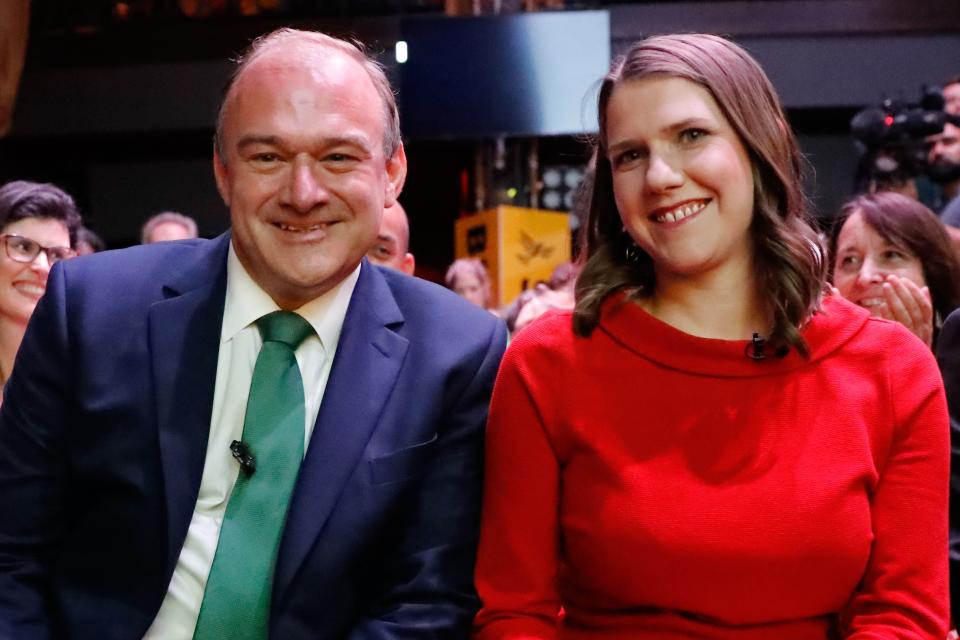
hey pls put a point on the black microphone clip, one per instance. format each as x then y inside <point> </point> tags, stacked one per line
<point>754,349</point>
<point>241,452</point>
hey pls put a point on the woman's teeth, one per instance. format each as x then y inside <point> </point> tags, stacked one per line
<point>681,212</point>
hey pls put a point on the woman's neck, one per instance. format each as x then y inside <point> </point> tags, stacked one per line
<point>11,335</point>
<point>713,305</point>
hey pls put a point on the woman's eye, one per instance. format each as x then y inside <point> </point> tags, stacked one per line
<point>894,254</point>
<point>693,135</point>
<point>626,157</point>
<point>849,262</point>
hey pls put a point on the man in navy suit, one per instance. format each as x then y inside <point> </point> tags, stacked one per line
<point>132,381</point>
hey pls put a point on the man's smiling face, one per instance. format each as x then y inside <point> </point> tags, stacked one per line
<point>303,169</point>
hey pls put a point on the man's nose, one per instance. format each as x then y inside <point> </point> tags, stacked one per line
<point>306,188</point>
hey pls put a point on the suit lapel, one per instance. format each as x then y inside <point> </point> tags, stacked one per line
<point>364,372</point>
<point>184,334</point>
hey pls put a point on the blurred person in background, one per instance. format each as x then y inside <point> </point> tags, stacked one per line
<point>892,256</point>
<point>675,458</point>
<point>89,242</point>
<point>393,241</point>
<point>951,95</point>
<point>168,225</point>
<point>557,293</point>
<point>38,227</point>
<point>943,156</point>
<point>469,279</point>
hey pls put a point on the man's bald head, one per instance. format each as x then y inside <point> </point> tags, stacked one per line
<point>316,40</point>
<point>393,241</point>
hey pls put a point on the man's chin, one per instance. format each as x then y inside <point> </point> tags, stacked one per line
<point>944,173</point>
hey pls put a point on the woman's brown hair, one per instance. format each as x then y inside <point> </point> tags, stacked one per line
<point>789,258</point>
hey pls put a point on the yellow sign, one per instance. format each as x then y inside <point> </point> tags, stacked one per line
<point>520,247</point>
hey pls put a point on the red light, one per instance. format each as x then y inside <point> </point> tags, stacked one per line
<point>888,120</point>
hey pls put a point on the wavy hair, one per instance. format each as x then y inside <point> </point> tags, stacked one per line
<point>788,255</point>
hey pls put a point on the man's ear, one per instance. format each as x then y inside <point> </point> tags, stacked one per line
<point>409,264</point>
<point>396,175</point>
<point>220,175</point>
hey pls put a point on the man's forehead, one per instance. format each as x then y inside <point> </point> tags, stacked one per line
<point>950,133</point>
<point>320,63</point>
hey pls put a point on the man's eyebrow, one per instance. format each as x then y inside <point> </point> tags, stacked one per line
<point>275,141</point>
<point>349,141</point>
<point>249,140</point>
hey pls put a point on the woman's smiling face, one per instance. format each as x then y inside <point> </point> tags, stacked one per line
<point>23,283</point>
<point>682,179</point>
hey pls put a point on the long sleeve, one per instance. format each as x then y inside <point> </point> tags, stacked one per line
<point>518,557</point>
<point>33,438</point>
<point>903,593</point>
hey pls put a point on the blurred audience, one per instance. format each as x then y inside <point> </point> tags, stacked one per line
<point>557,293</point>
<point>943,167</point>
<point>39,225</point>
<point>893,256</point>
<point>951,95</point>
<point>88,242</point>
<point>168,225</point>
<point>393,241</point>
<point>469,279</point>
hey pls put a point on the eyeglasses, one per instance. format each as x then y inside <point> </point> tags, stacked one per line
<point>22,249</point>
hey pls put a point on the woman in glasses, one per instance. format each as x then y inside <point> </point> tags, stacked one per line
<point>38,227</point>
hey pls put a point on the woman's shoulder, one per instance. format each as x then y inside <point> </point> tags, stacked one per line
<point>551,331</point>
<point>841,328</point>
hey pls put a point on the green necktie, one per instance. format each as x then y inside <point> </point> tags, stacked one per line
<point>236,602</point>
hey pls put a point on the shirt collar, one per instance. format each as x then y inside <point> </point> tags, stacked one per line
<point>246,302</point>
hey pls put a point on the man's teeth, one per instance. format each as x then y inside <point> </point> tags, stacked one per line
<point>316,227</point>
<point>681,212</point>
<point>872,302</point>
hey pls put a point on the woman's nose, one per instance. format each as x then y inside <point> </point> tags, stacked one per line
<point>662,175</point>
<point>870,272</point>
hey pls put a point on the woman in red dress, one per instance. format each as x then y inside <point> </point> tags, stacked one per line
<point>708,446</point>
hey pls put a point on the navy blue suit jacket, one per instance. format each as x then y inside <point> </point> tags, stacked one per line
<point>103,433</point>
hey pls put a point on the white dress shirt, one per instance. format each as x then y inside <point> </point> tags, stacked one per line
<point>240,344</point>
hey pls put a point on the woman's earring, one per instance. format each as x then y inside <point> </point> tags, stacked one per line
<point>632,252</point>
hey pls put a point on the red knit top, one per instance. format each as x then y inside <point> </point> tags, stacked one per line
<point>658,485</point>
